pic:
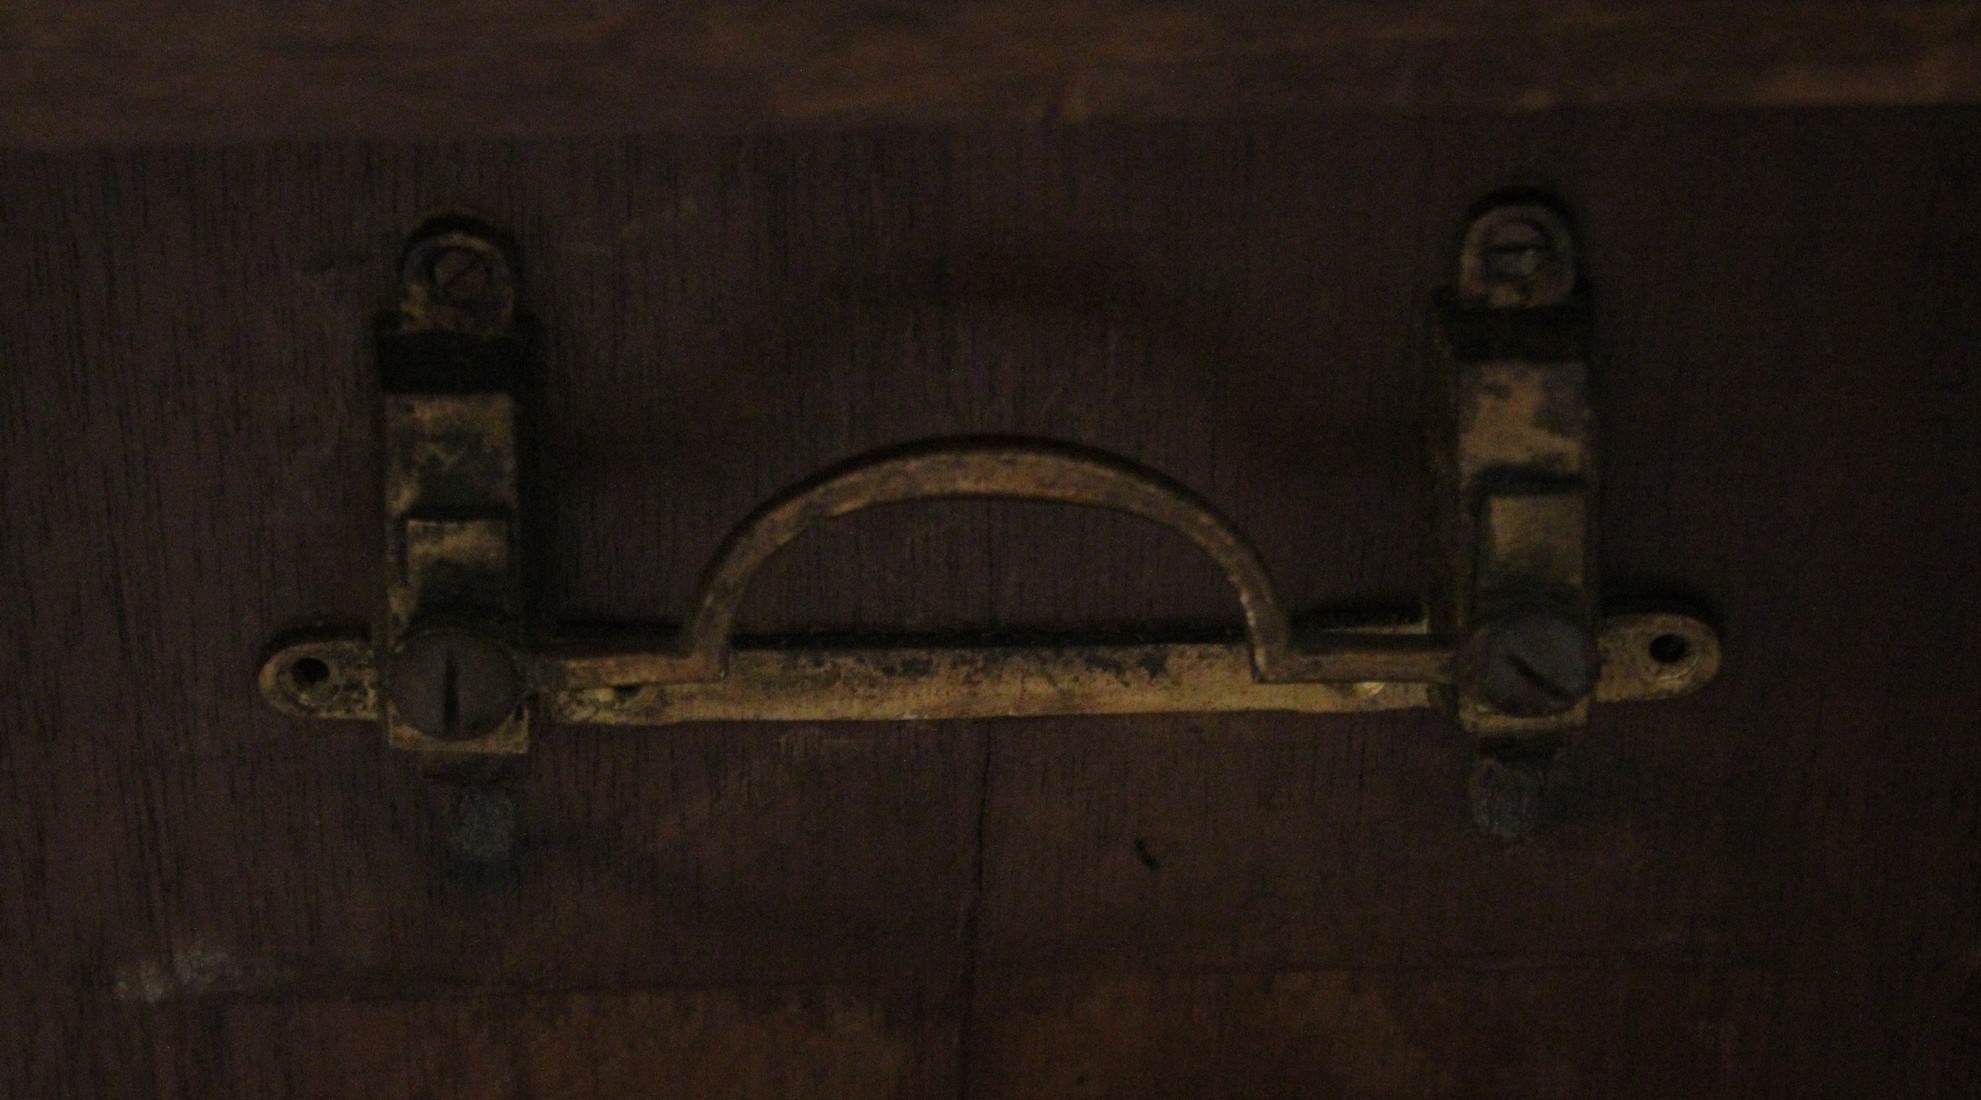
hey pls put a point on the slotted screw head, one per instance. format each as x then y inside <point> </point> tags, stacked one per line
<point>461,276</point>
<point>1534,664</point>
<point>1514,250</point>
<point>457,276</point>
<point>453,684</point>
<point>1517,255</point>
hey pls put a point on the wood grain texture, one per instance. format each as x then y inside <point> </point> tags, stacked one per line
<point>1777,881</point>
<point>741,1042</point>
<point>141,71</point>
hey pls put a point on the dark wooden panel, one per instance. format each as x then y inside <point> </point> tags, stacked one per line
<point>142,71</point>
<point>197,891</point>
<point>754,1041</point>
<point>1547,1031</point>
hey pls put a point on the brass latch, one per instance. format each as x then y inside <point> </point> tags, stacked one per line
<point>1513,643</point>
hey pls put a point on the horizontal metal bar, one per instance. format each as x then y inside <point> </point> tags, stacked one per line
<point>1652,656</point>
<point>900,684</point>
<point>1336,657</point>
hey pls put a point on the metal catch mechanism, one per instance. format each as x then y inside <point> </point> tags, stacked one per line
<point>1513,645</point>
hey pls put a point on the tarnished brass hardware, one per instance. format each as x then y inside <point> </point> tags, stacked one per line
<point>450,363</point>
<point>1051,473</point>
<point>453,685</point>
<point>1530,665</point>
<point>1512,644</point>
<point>1517,253</point>
<point>697,675</point>
<point>770,683</point>
<point>1516,483</point>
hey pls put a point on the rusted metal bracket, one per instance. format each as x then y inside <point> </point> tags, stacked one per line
<point>1513,644</point>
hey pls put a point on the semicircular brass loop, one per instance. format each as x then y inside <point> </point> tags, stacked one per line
<point>954,469</point>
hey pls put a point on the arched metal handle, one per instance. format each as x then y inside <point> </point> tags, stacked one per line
<point>949,470</point>
<point>1020,471</point>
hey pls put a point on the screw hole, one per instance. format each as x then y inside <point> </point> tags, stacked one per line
<point>309,673</point>
<point>1670,649</point>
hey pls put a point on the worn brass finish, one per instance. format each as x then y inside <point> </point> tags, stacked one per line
<point>1655,656</point>
<point>1516,481</point>
<point>323,678</point>
<point>907,683</point>
<point>1512,644</point>
<point>449,363</point>
<point>1035,472</point>
<point>978,682</point>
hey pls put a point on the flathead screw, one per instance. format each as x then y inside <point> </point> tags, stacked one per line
<point>1514,250</point>
<point>1534,664</point>
<point>461,277</point>
<point>454,685</point>
<point>1517,255</point>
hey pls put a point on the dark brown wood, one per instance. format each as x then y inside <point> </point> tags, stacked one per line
<point>146,71</point>
<point>1775,886</point>
<point>743,1041</point>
